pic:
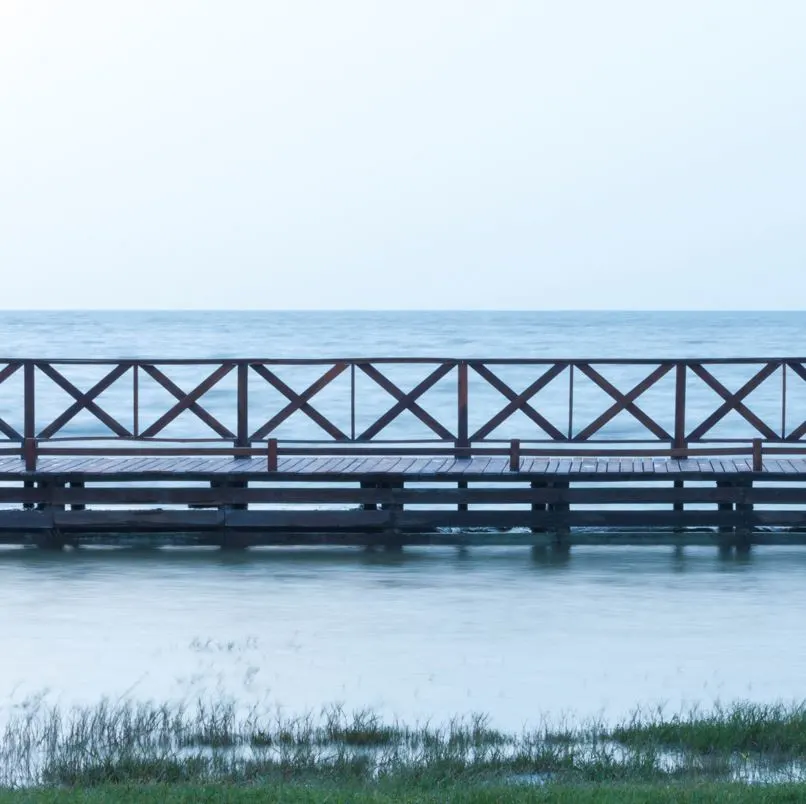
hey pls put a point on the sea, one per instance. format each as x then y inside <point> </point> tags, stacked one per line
<point>428,633</point>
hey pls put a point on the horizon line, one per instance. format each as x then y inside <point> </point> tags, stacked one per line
<point>386,310</point>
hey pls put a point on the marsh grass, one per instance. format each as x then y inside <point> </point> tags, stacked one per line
<point>741,727</point>
<point>131,743</point>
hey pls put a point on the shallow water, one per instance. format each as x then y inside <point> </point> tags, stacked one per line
<point>426,634</point>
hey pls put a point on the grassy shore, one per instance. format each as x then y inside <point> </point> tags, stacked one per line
<point>143,752</point>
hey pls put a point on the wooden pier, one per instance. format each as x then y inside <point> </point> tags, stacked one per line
<point>235,482</point>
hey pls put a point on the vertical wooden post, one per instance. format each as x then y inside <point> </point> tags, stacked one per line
<point>570,401</point>
<point>758,463</point>
<point>462,506</point>
<point>725,506</point>
<point>136,400</point>
<point>272,455</point>
<point>392,541</point>
<point>744,530</point>
<point>680,407</point>
<point>242,439</point>
<point>368,506</point>
<point>515,455</point>
<point>391,486</point>
<point>538,507</point>
<point>29,400</point>
<point>678,506</point>
<point>29,425</point>
<point>562,530</point>
<point>29,454</point>
<point>462,447</point>
<point>77,484</point>
<point>352,401</point>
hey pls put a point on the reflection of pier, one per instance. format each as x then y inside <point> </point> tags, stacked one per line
<point>242,478</point>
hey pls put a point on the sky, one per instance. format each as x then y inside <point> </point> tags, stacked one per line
<point>427,154</point>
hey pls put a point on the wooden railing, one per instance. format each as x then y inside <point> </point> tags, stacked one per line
<point>475,400</point>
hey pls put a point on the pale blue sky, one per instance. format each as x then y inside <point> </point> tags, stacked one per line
<point>418,154</point>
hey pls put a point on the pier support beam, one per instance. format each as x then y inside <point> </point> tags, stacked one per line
<point>231,484</point>
<point>725,507</point>
<point>562,531</point>
<point>368,506</point>
<point>678,506</point>
<point>390,506</point>
<point>462,484</point>
<point>536,485</point>
<point>744,531</point>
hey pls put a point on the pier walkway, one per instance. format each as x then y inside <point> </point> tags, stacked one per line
<point>674,480</point>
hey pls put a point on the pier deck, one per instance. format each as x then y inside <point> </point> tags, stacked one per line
<point>405,500</point>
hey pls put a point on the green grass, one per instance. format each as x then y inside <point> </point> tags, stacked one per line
<point>291,794</point>
<point>136,746</point>
<point>741,727</point>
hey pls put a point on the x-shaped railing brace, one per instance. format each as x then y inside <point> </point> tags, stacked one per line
<point>518,402</point>
<point>800,430</point>
<point>188,401</point>
<point>84,400</point>
<point>733,401</point>
<point>5,427</point>
<point>624,402</point>
<point>300,402</point>
<point>406,401</point>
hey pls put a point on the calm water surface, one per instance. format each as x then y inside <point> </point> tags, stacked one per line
<point>425,634</point>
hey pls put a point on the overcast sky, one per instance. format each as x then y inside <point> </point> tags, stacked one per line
<point>434,154</point>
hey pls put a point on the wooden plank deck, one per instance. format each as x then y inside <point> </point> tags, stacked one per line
<point>353,467</point>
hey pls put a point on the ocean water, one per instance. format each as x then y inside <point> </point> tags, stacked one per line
<point>429,633</point>
<point>208,335</point>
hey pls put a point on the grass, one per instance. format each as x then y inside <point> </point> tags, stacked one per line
<point>744,727</point>
<point>284,794</point>
<point>216,752</point>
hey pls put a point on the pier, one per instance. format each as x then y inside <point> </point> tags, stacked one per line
<point>236,476</point>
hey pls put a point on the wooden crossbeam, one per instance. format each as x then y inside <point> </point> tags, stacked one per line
<point>188,401</point>
<point>300,402</point>
<point>800,430</point>
<point>406,401</point>
<point>624,402</point>
<point>5,428</point>
<point>518,402</point>
<point>733,401</point>
<point>84,401</point>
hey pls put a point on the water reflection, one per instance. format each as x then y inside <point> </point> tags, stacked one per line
<point>422,633</point>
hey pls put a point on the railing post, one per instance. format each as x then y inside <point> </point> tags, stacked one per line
<point>352,401</point>
<point>680,407</point>
<point>570,401</point>
<point>272,455</point>
<point>758,463</point>
<point>515,455</point>
<point>136,400</point>
<point>462,447</point>
<point>242,439</point>
<point>29,404</point>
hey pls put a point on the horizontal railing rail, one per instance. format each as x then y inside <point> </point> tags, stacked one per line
<point>462,406</point>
